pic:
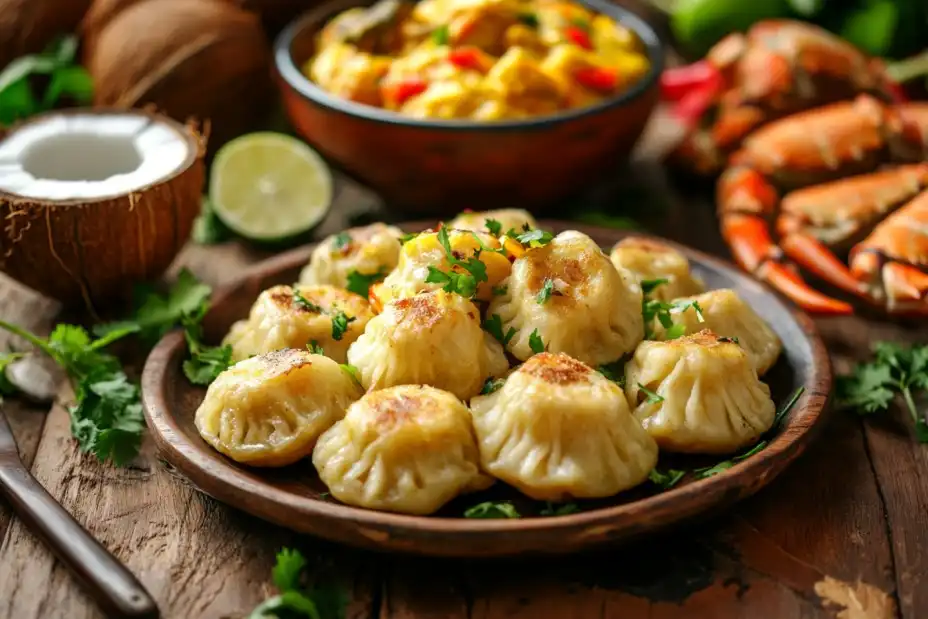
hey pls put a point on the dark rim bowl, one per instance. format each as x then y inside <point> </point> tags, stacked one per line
<point>290,72</point>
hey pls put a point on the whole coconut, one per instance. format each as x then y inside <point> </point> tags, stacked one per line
<point>192,59</point>
<point>27,26</point>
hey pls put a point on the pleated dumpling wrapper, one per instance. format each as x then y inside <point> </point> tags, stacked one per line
<point>724,313</point>
<point>269,410</point>
<point>286,317</point>
<point>432,338</point>
<point>364,254</point>
<point>567,297</point>
<point>407,449</point>
<point>557,429</point>
<point>651,261</point>
<point>508,219</point>
<point>698,394</point>
<point>430,251</point>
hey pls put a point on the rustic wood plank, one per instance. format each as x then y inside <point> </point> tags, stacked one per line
<point>30,310</point>
<point>899,462</point>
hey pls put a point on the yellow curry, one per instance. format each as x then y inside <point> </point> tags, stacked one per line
<point>480,59</point>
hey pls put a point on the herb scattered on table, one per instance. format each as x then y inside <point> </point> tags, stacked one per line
<point>208,229</point>
<point>295,600</point>
<point>64,78</point>
<point>492,509</point>
<point>464,275</point>
<point>360,283</point>
<point>205,363</point>
<point>536,343</point>
<point>895,370</point>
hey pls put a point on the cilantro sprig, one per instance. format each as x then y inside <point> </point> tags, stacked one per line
<point>340,320</point>
<point>295,600</point>
<point>663,311</point>
<point>493,227</point>
<point>494,326</point>
<point>342,240</point>
<point>492,385</point>
<point>547,289</point>
<point>492,509</point>
<point>896,370</point>
<point>465,278</point>
<point>360,283</point>
<point>536,343</point>
<point>205,363</point>
<point>666,480</point>
<point>652,397</point>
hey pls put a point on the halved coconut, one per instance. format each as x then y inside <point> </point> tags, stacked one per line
<point>92,202</point>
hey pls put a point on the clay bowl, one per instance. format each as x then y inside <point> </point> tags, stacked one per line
<point>295,498</point>
<point>439,167</point>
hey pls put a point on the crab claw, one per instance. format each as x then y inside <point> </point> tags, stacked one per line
<point>748,236</point>
<point>904,282</point>
<point>812,254</point>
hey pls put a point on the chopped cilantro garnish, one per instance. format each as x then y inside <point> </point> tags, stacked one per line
<point>342,240</point>
<point>494,227</point>
<point>494,326</point>
<point>535,238</point>
<point>300,301</point>
<point>463,283</point>
<point>546,290</point>
<point>440,35</point>
<point>340,322</point>
<point>551,509</point>
<point>360,283</point>
<point>315,348</point>
<point>536,343</point>
<point>666,480</point>
<point>491,385</point>
<point>499,291</point>
<point>653,398</point>
<point>491,509</point>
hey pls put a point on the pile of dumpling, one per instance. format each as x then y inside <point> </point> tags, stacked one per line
<point>478,355</point>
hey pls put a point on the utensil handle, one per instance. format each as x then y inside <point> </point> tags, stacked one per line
<point>110,584</point>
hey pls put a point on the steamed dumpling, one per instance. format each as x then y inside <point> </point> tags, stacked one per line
<point>509,218</point>
<point>558,429</point>
<point>433,338</point>
<point>591,311</point>
<point>707,399</point>
<point>726,314</point>
<point>279,319</point>
<point>650,260</point>
<point>269,410</point>
<point>425,250</point>
<point>407,449</point>
<point>369,250</point>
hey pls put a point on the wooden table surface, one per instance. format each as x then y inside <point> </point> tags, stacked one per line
<point>854,508</point>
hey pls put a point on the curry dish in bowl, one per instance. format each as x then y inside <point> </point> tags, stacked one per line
<point>484,60</point>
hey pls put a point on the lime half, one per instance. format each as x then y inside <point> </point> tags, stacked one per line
<point>269,186</point>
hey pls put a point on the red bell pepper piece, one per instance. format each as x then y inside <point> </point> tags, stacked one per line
<point>677,82</point>
<point>399,92</point>
<point>578,36</point>
<point>601,79</point>
<point>469,58</point>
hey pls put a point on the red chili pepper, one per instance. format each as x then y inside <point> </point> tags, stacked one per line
<point>578,36</point>
<point>601,79</point>
<point>676,83</point>
<point>400,92</point>
<point>469,58</point>
<point>691,107</point>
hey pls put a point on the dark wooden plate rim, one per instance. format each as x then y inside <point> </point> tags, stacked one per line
<point>807,415</point>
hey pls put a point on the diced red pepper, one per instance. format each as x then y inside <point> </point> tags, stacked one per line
<point>601,79</point>
<point>469,58</point>
<point>399,92</point>
<point>578,36</point>
<point>677,82</point>
<point>690,109</point>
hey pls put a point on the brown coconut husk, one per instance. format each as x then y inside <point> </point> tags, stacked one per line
<point>90,253</point>
<point>28,26</point>
<point>201,59</point>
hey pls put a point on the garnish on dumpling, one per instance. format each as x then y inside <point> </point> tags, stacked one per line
<point>698,394</point>
<point>433,338</point>
<point>567,297</point>
<point>650,261</point>
<point>407,449</point>
<point>497,222</point>
<point>269,410</point>
<point>323,317</point>
<point>724,313</point>
<point>354,258</point>
<point>557,429</point>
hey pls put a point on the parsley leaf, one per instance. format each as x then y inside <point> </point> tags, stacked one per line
<point>652,397</point>
<point>296,601</point>
<point>536,343</point>
<point>340,322</point>
<point>666,480</point>
<point>494,227</point>
<point>546,291</point>
<point>896,369</point>
<point>342,240</point>
<point>614,371</point>
<point>649,285</point>
<point>300,301</point>
<point>529,19</point>
<point>492,385</point>
<point>158,314</point>
<point>286,573</point>
<point>550,509</point>
<point>408,237</point>
<point>360,283</point>
<point>352,370</point>
<point>463,283</point>
<point>494,326</point>
<point>724,465</point>
<point>491,509</point>
<point>535,238</point>
<point>315,348</point>
<point>205,363</point>
<point>499,291</point>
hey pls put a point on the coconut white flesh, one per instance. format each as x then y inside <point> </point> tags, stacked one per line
<point>89,156</point>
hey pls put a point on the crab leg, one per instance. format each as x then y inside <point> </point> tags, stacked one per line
<point>746,204</point>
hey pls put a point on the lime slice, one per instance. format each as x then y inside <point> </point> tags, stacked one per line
<point>269,186</point>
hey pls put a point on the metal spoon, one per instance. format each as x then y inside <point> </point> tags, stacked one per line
<point>107,580</point>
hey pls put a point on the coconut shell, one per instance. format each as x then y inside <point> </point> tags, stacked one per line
<point>91,253</point>
<point>28,26</point>
<point>193,59</point>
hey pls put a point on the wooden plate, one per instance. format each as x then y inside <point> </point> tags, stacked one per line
<point>295,498</point>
